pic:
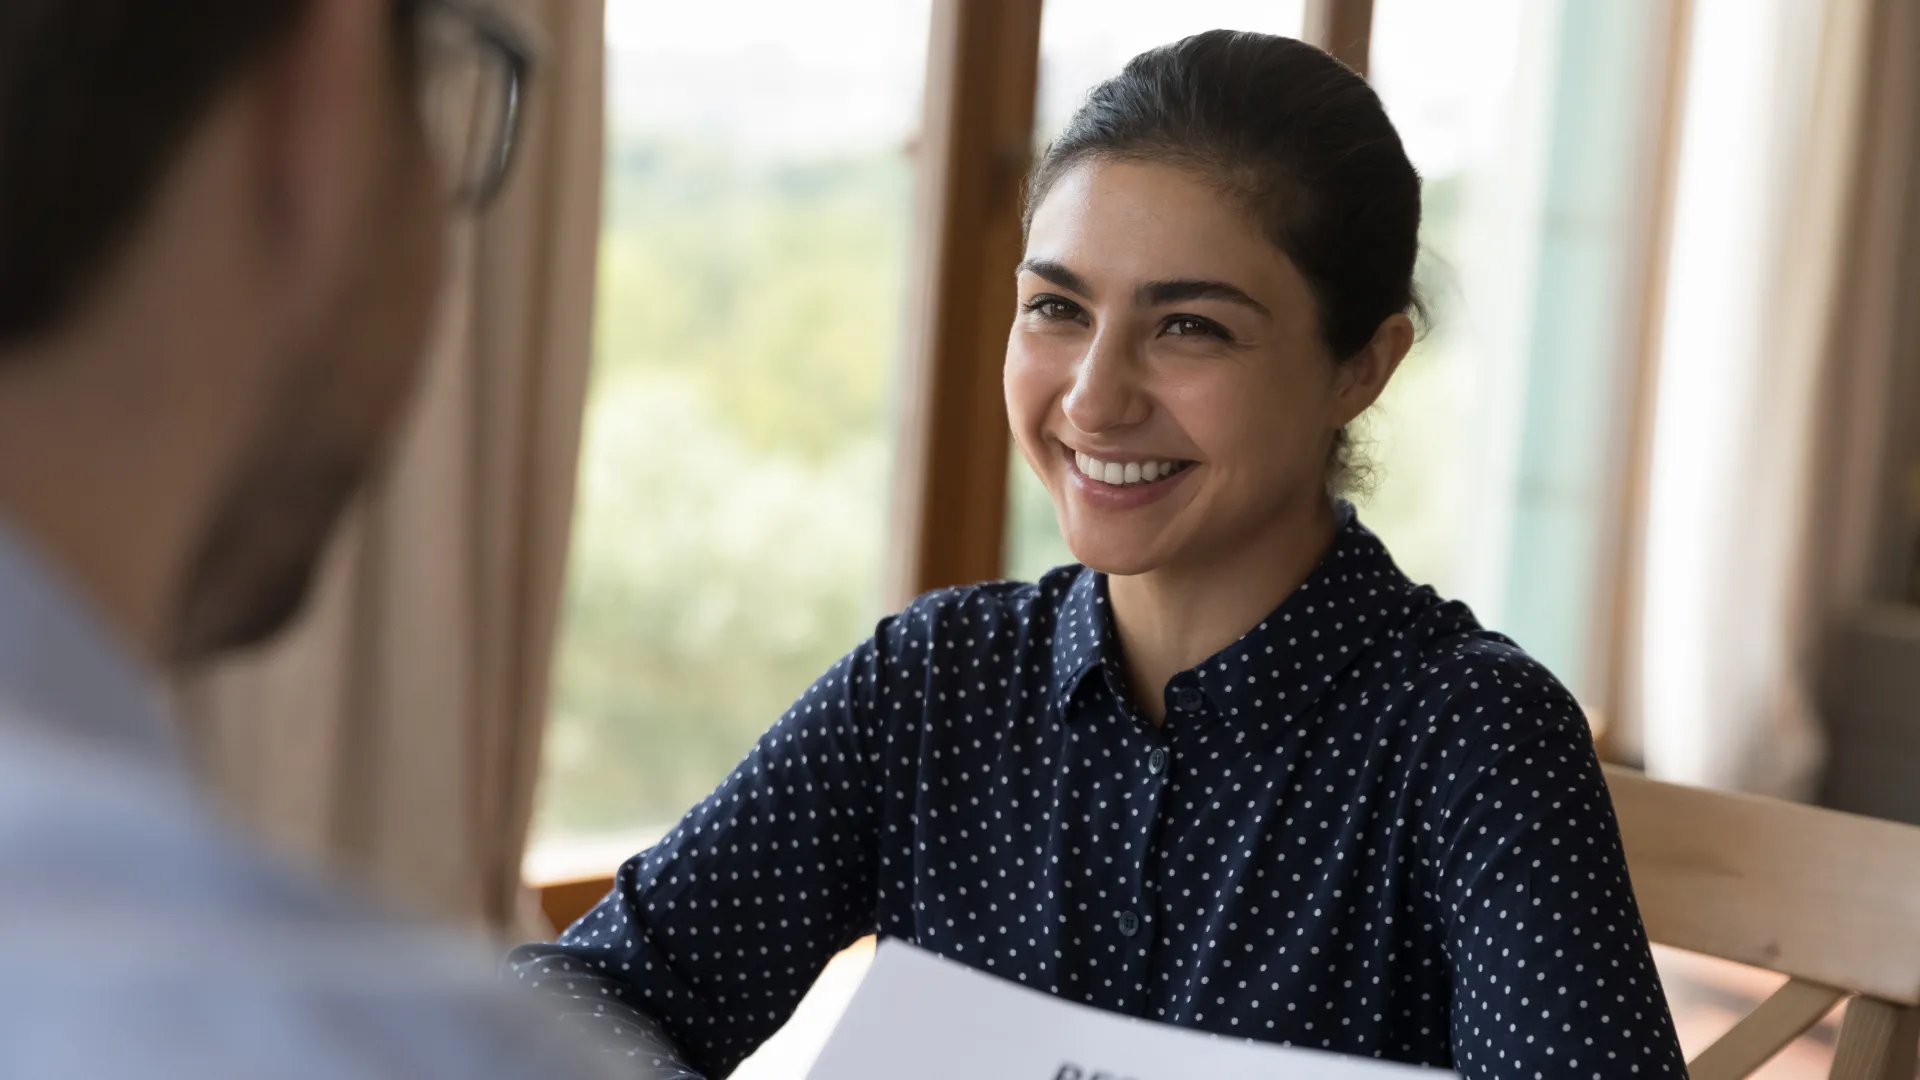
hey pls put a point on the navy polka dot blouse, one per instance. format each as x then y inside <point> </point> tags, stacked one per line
<point>1368,826</point>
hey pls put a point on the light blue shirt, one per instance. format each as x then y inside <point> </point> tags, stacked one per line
<point>143,936</point>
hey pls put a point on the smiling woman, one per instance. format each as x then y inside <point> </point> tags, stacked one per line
<point>1155,326</point>
<point>1236,772</point>
<point>1190,295</point>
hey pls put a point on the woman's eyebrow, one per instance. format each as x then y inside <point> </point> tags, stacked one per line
<point>1156,293</point>
<point>1057,274</point>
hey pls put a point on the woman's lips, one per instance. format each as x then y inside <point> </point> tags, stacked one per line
<point>1127,473</point>
<point>1132,488</point>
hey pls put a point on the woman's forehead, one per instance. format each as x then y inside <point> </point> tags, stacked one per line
<point>1121,223</point>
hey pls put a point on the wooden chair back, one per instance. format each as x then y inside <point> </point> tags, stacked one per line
<point>1830,900</point>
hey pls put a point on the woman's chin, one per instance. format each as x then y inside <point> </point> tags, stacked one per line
<point>1113,559</point>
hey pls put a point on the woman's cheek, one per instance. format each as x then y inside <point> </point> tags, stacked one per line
<point>1211,409</point>
<point>1033,381</point>
<point>1252,420</point>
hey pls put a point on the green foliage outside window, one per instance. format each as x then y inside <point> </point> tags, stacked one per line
<point>735,467</point>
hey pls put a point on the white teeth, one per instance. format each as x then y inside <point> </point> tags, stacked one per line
<point>1112,472</point>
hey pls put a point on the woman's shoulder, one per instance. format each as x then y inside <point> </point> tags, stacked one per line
<point>1484,720</point>
<point>983,616</point>
<point>1481,685</point>
<point>994,603</point>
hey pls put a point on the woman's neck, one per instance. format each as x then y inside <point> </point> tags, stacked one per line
<point>1172,618</point>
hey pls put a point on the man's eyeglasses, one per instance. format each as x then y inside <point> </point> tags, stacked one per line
<point>473,63</point>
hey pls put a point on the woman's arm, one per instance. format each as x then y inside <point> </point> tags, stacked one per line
<point>710,938</point>
<point>1552,974</point>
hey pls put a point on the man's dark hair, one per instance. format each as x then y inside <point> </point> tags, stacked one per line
<point>1293,135</point>
<point>96,99</point>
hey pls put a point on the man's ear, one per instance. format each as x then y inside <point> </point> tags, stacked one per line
<point>322,101</point>
<point>1364,376</point>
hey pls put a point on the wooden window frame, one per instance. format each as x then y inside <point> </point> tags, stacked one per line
<point>975,146</point>
<point>1344,28</point>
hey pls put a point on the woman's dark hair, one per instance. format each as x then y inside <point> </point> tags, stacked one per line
<point>1297,137</point>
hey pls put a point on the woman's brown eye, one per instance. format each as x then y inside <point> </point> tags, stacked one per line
<point>1050,308</point>
<point>1188,327</point>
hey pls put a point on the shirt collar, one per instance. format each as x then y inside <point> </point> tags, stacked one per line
<point>63,670</point>
<point>1082,634</point>
<point>1353,597</point>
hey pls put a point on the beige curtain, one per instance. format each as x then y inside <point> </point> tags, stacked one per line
<point>1770,452</point>
<point>396,733</point>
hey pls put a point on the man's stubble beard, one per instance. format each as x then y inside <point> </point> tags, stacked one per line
<point>259,557</point>
<point>318,446</point>
<point>327,432</point>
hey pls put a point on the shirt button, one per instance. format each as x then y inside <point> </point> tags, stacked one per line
<point>1186,699</point>
<point>1157,761</point>
<point>1129,924</point>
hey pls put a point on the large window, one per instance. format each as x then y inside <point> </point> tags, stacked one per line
<point>733,512</point>
<point>734,485</point>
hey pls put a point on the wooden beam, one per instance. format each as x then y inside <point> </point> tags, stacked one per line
<point>974,148</point>
<point>1816,895</point>
<point>1343,28</point>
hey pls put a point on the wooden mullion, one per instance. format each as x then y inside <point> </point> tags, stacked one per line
<point>1343,28</point>
<point>975,145</point>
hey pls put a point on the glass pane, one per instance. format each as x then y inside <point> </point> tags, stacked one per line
<point>732,515</point>
<point>1495,443</point>
<point>1082,44</point>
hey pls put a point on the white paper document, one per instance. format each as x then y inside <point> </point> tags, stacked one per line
<point>922,1016</point>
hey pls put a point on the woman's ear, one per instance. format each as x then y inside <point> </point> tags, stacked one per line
<point>1362,378</point>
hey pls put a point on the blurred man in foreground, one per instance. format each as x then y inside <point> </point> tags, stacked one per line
<point>221,227</point>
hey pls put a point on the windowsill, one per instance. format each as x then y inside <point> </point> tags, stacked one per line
<point>553,861</point>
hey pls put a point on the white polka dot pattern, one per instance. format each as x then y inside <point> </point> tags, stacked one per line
<point>1368,826</point>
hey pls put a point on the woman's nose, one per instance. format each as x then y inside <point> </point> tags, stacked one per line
<point>1106,392</point>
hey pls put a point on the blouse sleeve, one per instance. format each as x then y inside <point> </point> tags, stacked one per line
<point>710,939</point>
<point>1551,971</point>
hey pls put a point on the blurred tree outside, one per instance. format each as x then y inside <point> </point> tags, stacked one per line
<point>734,476</point>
